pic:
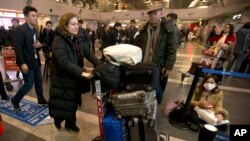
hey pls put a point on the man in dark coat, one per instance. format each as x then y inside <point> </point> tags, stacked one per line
<point>158,42</point>
<point>46,38</point>
<point>27,58</point>
<point>114,35</point>
<point>174,17</point>
<point>11,33</point>
<point>130,32</point>
<point>15,24</point>
<point>84,35</point>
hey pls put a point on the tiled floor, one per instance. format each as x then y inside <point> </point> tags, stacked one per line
<point>236,101</point>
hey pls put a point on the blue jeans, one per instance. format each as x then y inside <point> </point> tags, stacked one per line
<point>159,83</point>
<point>31,77</point>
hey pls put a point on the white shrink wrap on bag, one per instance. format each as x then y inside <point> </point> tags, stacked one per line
<point>123,54</point>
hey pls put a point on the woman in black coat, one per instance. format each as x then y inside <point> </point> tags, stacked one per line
<point>68,79</point>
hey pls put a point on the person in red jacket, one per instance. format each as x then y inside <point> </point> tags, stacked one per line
<point>225,40</point>
<point>226,36</point>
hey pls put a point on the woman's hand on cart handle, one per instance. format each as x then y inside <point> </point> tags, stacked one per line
<point>24,68</point>
<point>87,75</point>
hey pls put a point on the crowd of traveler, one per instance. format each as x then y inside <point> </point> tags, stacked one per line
<point>237,46</point>
<point>69,44</point>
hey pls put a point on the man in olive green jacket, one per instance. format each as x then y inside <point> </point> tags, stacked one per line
<point>158,42</point>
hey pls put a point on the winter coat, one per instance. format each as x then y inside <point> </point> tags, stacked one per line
<point>84,37</point>
<point>113,37</point>
<point>24,49</point>
<point>66,79</point>
<point>215,98</point>
<point>105,39</point>
<point>130,33</point>
<point>241,44</point>
<point>166,44</point>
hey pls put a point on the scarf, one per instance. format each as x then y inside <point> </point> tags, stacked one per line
<point>151,41</point>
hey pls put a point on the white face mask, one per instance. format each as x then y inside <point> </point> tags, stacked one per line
<point>209,86</point>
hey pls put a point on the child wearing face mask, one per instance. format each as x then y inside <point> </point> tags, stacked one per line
<point>209,97</point>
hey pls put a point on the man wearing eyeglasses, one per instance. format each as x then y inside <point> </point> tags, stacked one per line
<point>158,41</point>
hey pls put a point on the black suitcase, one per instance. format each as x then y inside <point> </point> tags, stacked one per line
<point>139,77</point>
<point>134,130</point>
<point>149,132</point>
<point>140,130</point>
<point>136,103</point>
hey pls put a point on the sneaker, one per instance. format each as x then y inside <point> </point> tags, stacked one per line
<point>14,105</point>
<point>43,102</point>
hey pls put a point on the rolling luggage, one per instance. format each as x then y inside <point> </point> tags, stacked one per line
<point>139,130</point>
<point>114,129</point>
<point>139,77</point>
<point>149,132</point>
<point>136,103</point>
<point>134,130</point>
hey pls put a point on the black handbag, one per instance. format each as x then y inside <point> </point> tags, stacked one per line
<point>110,76</point>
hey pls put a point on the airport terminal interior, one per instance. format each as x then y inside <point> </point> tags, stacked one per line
<point>191,16</point>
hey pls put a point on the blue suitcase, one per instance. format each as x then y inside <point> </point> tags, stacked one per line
<point>114,129</point>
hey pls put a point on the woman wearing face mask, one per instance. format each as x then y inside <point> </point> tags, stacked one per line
<point>209,96</point>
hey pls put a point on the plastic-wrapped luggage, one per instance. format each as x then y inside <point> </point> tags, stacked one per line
<point>136,103</point>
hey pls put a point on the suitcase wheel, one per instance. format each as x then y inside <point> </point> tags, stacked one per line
<point>118,115</point>
<point>151,123</point>
<point>146,114</point>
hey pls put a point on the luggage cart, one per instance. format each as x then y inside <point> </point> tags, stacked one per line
<point>9,58</point>
<point>101,99</point>
<point>208,60</point>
